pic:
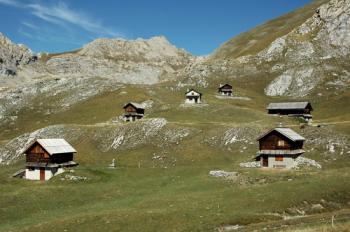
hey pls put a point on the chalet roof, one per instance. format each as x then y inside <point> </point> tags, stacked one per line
<point>225,85</point>
<point>287,105</point>
<point>193,91</point>
<point>136,105</point>
<point>55,146</point>
<point>289,133</point>
<point>280,152</point>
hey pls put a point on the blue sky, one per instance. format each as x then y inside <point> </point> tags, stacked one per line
<point>195,25</point>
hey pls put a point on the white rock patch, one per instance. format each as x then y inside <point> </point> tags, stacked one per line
<point>280,85</point>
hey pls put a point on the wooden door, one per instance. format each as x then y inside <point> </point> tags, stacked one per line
<point>42,173</point>
<point>265,162</point>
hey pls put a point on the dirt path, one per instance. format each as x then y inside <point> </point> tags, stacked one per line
<point>212,123</point>
<point>331,123</point>
<point>314,220</point>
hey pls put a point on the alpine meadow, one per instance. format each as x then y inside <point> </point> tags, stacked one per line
<point>139,135</point>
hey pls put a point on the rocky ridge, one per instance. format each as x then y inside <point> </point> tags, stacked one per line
<point>309,57</point>
<point>126,61</point>
<point>100,66</point>
<point>13,56</point>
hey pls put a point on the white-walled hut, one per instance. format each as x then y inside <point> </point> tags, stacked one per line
<point>193,97</point>
<point>46,158</point>
<point>225,90</point>
<point>279,147</point>
<point>298,109</point>
<point>133,111</point>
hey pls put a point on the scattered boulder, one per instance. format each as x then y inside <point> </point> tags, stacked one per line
<point>317,207</point>
<point>10,72</point>
<point>224,174</point>
<point>229,228</point>
<point>74,178</point>
<point>302,161</point>
<point>253,164</point>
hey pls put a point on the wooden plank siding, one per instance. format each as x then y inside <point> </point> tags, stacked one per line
<point>289,111</point>
<point>37,154</point>
<point>130,109</point>
<point>271,142</point>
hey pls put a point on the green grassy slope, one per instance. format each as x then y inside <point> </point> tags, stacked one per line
<point>165,195</point>
<point>175,192</point>
<point>255,40</point>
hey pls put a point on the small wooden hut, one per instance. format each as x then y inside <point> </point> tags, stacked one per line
<point>279,147</point>
<point>299,109</point>
<point>193,97</point>
<point>46,158</point>
<point>225,90</point>
<point>133,111</point>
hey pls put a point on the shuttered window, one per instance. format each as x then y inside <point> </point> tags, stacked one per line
<point>278,158</point>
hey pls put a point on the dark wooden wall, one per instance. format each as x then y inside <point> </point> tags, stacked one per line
<point>132,109</point>
<point>37,154</point>
<point>62,158</point>
<point>270,142</point>
<point>289,111</point>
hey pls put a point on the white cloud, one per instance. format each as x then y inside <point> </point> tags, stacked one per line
<point>60,14</point>
<point>45,35</point>
<point>30,25</point>
<point>10,3</point>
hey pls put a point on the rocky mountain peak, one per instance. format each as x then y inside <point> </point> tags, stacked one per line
<point>13,55</point>
<point>153,49</point>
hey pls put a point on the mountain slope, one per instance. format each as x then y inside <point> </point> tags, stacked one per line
<point>136,62</point>
<point>307,57</point>
<point>12,56</point>
<point>161,181</point>
<point>100,66</point>
<point>255,40</point>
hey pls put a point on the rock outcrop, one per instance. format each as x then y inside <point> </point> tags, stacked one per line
<point>126,61</point>
<point>13,56</point>
<point>310,53</point>
<point>102,65</point>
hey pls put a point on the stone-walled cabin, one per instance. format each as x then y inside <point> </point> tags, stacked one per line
<point>133,111</point>
<point>46,158</point>
<point>299,109</point>
<point>279,148</point>
<point>193,97</point>
<point>225,90</point>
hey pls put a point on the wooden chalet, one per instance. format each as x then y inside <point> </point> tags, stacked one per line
<point>133,111</point>
<point>46,158</point>
<point>279,148</point>
<point>225,90</point>
<point>299,109</point>
<point>193,97</point>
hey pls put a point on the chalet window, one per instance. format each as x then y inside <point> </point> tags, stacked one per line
<point>279,158</point>
<point>280,143</point>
